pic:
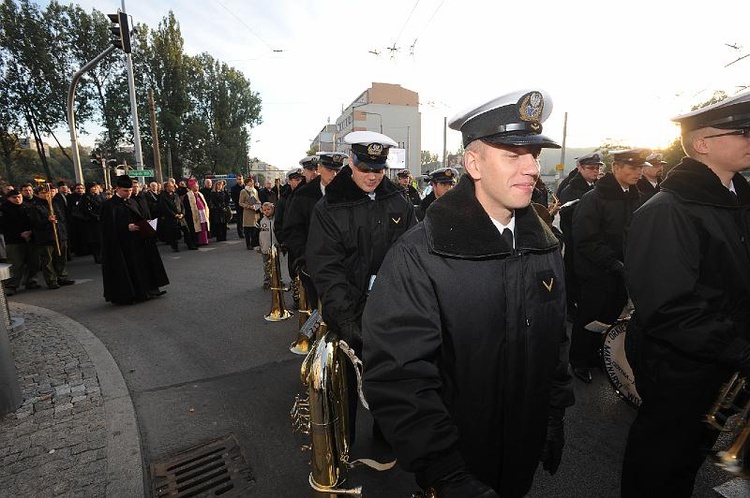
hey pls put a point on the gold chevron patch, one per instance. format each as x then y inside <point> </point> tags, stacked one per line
<point>549,285</point>
<point>396,220</point>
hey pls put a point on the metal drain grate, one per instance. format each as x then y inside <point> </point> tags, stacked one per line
<point>217,468</point>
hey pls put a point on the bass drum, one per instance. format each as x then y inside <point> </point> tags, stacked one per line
<point>616,363</point>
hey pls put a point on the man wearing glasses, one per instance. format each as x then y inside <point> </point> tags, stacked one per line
<point>351,229</point>
<point>687,264</point>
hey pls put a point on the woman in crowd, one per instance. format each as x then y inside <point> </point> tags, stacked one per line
<point>218,203</point>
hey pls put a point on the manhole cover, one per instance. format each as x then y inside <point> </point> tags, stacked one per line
<point>215,469</point>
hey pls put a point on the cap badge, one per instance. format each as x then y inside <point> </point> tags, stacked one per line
<point>374,149</point>
<point>448,173</point>
<point>531,106</point>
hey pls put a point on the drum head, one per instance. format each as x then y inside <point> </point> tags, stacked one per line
<point>616,363</point>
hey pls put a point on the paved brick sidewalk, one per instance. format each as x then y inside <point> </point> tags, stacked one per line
<point>63,439</point>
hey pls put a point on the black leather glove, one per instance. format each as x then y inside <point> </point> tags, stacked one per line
<point>351,333</point>
<point>461,484</point>
<point>553,446</point>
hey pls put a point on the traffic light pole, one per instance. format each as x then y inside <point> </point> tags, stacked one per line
<point>71,111</point>
<point>133,105</point>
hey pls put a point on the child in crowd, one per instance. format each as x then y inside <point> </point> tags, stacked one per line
<point>267,239</point>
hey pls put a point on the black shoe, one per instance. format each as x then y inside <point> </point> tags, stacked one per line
<point>193,248</point>
<point>584,374</point>
<point>32,285</point>
<point>156,292</point>
<point>53,286</point>
<point>66,282</point>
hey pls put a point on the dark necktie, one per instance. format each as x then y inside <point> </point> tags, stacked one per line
<point>508,237</point>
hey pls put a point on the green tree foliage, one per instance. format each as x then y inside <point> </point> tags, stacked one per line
<point>427,157</point>
<point>205,109</point>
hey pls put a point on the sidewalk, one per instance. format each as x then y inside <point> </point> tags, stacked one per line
<point>75,433</point>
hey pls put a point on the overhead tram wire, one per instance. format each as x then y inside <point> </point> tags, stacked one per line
<point>437,9</point>
<point>251,30</point>
<point>394,48</point>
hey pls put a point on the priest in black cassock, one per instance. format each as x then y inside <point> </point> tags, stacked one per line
<point>132,269</point>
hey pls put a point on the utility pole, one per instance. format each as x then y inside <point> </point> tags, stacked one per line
<point>561,167</point>
<point>155,134</point>
<point>445,140</point>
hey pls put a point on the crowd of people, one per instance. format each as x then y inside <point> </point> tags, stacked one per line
<point>469,384</point>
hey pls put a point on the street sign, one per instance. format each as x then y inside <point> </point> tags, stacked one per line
<point>141,172</point>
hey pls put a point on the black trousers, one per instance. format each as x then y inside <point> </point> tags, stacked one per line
<point>595,302</point>
<point>668,440</point>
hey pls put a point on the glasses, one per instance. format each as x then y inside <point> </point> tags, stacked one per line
<point>745,132</point>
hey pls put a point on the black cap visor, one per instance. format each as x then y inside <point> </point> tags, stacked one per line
<point>522,140</point>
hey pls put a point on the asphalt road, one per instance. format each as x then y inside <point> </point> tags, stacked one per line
<point>202,363</point>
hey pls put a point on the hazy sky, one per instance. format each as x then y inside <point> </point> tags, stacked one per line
<point>619,69</point>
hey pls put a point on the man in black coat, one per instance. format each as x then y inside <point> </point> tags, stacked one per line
<point>50,235</point>
<point>298,214</point>
<point>600,226</point>
<point>441,180</point>
<point>587,167</point>
<point>687,264</point>
<point>15,226</point>
<point>234,193</point>
<point>648,185</point>
<point>132,269</point>
<point>467,373</point>
<point>351,229</point>
<point>405,180</point>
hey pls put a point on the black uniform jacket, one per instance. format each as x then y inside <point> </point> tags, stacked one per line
<point>131,265</point>
<point>297,216</point>
<point>574,190</point>
<point>349,236</point>
<point>14,219</point>
<point>600,225</point>
<point>688,271</point>
<point>646,189</point>
<point>465,345</point>
<point>43,231</point>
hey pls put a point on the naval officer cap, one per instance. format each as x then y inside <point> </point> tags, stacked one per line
<point>404,173</point>
<point>513,119</point>
<point>332,160</point>
<point>655,159</point>
<point>444,175</point>
<point>295,173</point>
<point>594,158</point>
<point>729,114</point>
<point>309,162</point>
<point>370,148</point>
<point>634,157</point>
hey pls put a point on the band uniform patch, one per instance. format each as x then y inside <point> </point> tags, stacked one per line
<point>549,286</point>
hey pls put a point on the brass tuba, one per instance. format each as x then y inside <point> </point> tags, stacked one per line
<point>733,399</point>
<point>301,345</point>
<point>324,414</point>
<point>278,309</point>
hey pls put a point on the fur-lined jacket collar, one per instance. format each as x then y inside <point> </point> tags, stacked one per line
<point>457,225</point>
<point>343,190</point>
<point>693,181</point>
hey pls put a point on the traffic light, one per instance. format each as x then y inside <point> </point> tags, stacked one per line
<point>120,31</point>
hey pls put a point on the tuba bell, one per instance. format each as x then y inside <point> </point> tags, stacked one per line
<point>278,309</point>
<point>733,400</point>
